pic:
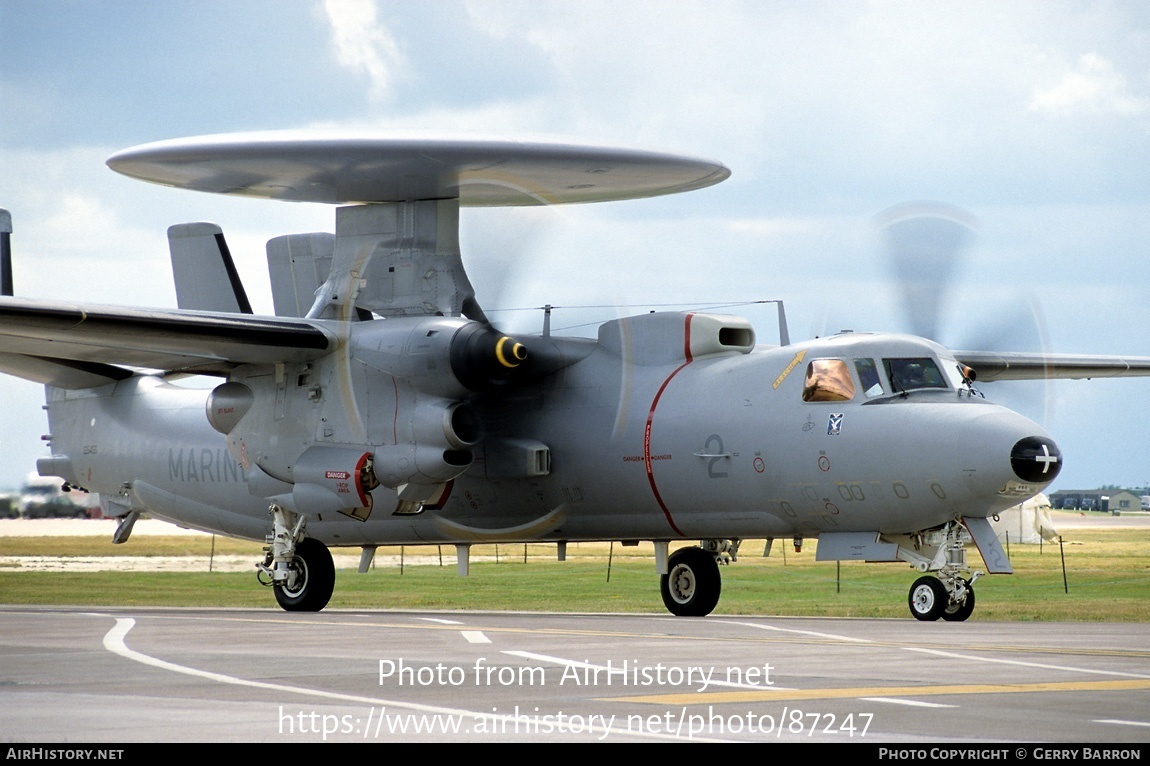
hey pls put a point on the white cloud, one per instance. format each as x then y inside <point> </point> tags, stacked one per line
<point>365,45</point>
<point>1095,86</point>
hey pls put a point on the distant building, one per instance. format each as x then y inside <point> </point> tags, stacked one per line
<point>1124,501</point>
<point>1078,499</point>
<point>1111,500</point>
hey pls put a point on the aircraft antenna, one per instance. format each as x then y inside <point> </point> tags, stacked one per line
<point>784,333</point>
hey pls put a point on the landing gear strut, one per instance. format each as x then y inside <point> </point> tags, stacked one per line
<point>958,611</point>
<point>300,569</point>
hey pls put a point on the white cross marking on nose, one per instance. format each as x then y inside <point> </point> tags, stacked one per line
<point>1046,458</point>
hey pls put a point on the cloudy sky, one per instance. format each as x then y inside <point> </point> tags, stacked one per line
<point>1033,117</point>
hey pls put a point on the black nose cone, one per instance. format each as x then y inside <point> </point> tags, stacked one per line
<point>1036,459</point>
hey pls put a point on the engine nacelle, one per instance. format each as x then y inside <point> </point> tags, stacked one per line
<point>399,395</point>
<point>443,356</point>
<point>333,479</point>
<point>400,464</point>
<point>324,479</point>
<point>456,423</point>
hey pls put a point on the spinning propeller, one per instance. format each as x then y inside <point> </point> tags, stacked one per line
<point>926,246</point>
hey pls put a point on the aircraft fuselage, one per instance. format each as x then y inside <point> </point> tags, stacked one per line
<point>650,442</point>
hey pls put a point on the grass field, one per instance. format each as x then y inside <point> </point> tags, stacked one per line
<point>1106,578</point>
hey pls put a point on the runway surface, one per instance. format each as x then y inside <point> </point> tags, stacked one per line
<point>74,675</point>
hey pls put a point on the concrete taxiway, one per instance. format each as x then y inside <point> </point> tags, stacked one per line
<point>82,675</point>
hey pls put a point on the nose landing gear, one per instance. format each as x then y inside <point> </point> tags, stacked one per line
<point>930,599</point>
<point>949,593</point>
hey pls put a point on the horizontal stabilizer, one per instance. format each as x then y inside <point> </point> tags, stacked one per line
<point>203,269</point>
<point>155,338</point>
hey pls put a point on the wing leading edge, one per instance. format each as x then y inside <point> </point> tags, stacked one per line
<point>55,342</point>
<point>992,366</point>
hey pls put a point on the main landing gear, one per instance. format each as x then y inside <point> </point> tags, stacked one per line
<point>692,584</point>
<point>300,569</point>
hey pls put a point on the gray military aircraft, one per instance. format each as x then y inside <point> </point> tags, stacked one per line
<point>381,406</point>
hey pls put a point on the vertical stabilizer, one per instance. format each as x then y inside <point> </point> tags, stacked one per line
<point>205,275</point>
<point>5,253</point>
<point>297,265</point>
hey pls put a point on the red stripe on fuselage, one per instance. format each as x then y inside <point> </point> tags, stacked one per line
<point>651,417</point>
<point>359,488</point>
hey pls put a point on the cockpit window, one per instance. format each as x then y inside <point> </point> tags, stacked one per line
<point>909,374</point>
<point>960,375</point>
<point>868,376</point>
<point>828,380</point>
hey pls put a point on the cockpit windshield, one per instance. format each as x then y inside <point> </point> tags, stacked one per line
<point>914,373</point>
<point>831,380</point>
<point>868,376</point>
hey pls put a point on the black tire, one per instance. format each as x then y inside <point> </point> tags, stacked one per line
<point>692,584</point>
<point>960,612</point>
<point>928,599</point>
<point>315,578</point>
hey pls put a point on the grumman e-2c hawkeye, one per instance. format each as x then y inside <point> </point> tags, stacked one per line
<point>381,407</point>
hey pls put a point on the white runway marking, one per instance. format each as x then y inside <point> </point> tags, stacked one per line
<point>816,634</point>
<point>1020,663</point>
<point>909,703</point>
<point>1119,722</point>
<point>114,641</point>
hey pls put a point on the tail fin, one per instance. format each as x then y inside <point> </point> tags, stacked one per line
<point>205,275</point>
<point>63,373</point>
<point>5,253</point>
<point>298,264</point>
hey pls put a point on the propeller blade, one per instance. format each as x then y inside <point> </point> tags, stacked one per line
<point>925,242</point>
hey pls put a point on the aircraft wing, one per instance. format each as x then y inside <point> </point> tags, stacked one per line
<point>48,341</point>
<point>992,366</point>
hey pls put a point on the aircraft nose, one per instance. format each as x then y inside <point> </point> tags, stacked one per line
<point>1036,459</point>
